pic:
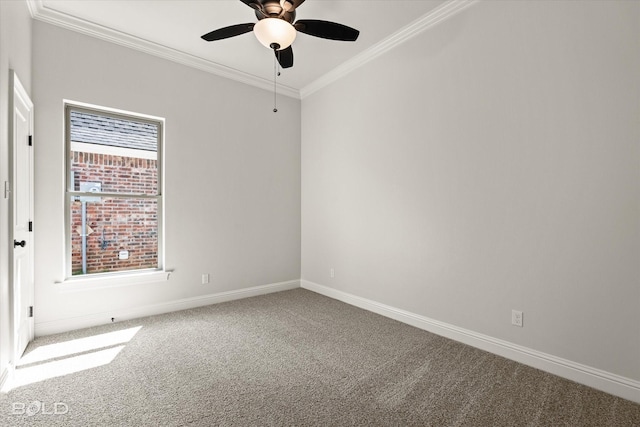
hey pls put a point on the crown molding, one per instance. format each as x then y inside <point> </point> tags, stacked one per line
<point>446,10</point>
<point>437,15</point>
<point>40,12</point>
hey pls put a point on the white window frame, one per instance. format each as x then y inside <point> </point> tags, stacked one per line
<point>115,278</point>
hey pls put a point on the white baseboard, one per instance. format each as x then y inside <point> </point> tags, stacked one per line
<point>73,323</point>
<point>602,380</point>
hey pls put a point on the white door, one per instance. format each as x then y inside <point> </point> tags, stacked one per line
<point>21,214</point>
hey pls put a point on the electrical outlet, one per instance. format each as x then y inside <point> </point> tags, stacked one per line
<point>205,278</point>
<point>516,318</point>
<point>332,273</point>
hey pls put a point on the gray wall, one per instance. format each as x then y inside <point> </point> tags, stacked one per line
<point>232,172</point>
<point>490,163</point>
<point>15,53</point>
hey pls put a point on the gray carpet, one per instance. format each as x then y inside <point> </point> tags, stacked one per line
<point>298,358</point>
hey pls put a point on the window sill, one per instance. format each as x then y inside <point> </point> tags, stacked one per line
<point>113,280</point>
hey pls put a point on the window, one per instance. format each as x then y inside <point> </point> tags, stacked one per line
<point>113,195</point>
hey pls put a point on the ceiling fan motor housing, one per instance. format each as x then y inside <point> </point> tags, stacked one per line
<point>273,9</point>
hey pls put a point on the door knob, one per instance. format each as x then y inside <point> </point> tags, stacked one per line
<point>21,244</point>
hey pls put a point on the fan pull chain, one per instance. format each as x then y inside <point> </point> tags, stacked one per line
<point>275,87</point>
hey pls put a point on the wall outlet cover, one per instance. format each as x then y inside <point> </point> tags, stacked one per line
<point>516,318</point>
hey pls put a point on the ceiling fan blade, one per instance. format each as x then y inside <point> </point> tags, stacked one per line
<point>253,4</point>
<point>327,30</point>
<point>285,57</point>
<point>291,5</point>
<point>226,32</point>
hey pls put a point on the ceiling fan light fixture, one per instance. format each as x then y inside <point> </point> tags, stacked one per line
<point>274,31</point>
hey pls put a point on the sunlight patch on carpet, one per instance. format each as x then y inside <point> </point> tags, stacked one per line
<point>56,360</point>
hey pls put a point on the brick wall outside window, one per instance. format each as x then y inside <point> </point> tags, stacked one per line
<point>115,224</point>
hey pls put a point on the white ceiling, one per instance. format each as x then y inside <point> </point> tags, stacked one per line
<point>175,26</point>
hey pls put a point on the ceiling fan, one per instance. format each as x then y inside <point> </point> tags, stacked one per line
<point>276,29</point>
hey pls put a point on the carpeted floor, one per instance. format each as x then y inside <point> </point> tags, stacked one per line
<point>293,358</point>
